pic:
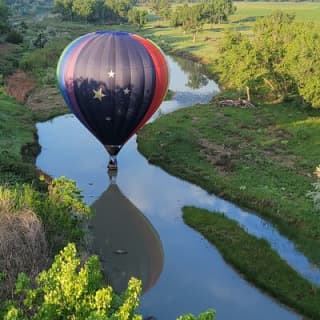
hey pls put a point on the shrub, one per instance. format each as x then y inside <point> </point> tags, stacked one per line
<point>70,290</point>
<point>14,37</point>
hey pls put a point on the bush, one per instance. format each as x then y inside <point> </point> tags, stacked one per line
<point>41,59</point>
<point>70,290</point>
<point>61,211</point>
<point>14,37</point>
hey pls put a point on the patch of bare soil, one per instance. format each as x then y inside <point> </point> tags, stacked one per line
<point>45,99</point>
<point>218,155</point>
<point>6,48</point>
<point>19,85</point>
<point>277,151</point>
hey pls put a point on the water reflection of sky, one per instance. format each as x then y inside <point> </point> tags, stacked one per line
<point>194,276</point>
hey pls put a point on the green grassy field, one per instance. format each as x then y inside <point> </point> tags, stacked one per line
<point>304,11</point>
<point>208,40</point>
<point>261,158</point>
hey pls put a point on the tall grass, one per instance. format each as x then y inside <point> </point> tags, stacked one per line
<point>23,245</point>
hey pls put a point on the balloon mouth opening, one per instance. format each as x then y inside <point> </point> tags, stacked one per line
<point>113,150</point>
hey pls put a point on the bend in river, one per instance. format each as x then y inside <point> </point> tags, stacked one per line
<point>188,274</point>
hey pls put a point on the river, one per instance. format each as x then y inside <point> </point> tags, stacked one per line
<point>138,229</point>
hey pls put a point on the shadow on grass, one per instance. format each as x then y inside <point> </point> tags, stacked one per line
<point>248,19</point>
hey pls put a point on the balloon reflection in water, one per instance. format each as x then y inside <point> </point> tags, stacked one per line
<point>113,82</point>
<point>125,241</point>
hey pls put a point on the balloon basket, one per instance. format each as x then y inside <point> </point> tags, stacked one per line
<point>113,163</point>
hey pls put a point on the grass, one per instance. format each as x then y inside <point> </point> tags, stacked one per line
<point>22,239</point>
<point>208,40</point>
<point>304,11</point>
<point>255,259</point>
<point>17,142</point>
<point>261,158</point>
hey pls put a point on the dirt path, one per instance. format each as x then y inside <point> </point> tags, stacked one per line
<point>45,99</point>
<point>19,85</point>
<point>24,89</point>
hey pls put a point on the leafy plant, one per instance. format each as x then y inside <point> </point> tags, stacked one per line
<point>315,195</point>
<point>208,315</point>
<point>64,192</point>
<point>70,290</point>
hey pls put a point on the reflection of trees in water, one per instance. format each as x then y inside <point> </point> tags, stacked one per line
<point>125,240</point>
<point>196,77</point>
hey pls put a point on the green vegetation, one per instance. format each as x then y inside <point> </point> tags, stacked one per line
<point>110,11</point>
<point>71,291</point>
<point>17,142</point>
<point>255,259</point>
<point>161,8</point>
<point>280,61</point>
<point>4,14</point>
<point>137,17</point>
<point>304,10</point>
<point>261,158</point>
<point>35,225</point>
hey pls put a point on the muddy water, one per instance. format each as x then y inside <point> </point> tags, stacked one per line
<point>138,229</point>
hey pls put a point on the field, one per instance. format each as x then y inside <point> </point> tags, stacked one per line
<point>304,11</point>
<point>207,41</point>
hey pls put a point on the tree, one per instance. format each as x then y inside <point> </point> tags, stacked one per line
<point>161,8</point>
<point>83,8</point>
<point>64,7</point>
<point>223,9</point>
<point>119,9</point>
<point>281,60</point>
<point>271,35</point>
<point>191,18</point>
<point>239,63</point>
<point>303,61</point>
<point>138,17</point>
<point>217,11</point>
<point>4,14</point>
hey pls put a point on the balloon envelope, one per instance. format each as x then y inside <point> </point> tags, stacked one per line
<point>113,82</point>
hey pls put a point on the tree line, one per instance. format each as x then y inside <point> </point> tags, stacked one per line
<point>192,17</point>
<point>281,60</point>
<point>4,15</point>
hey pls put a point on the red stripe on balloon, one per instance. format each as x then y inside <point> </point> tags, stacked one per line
<point>162,78</point>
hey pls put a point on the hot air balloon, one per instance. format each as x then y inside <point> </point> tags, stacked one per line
<point>113,82</point>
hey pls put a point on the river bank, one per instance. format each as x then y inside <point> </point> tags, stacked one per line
<point>261,158</point>
<point>226,166</point>
<point>250,256</point>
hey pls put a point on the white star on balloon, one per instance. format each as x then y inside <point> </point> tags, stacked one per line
<point>111,74</point>
<point>126,91</point>
<point>98,94</point>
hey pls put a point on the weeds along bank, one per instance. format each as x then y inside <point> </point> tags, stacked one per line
<point>35,218</point>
